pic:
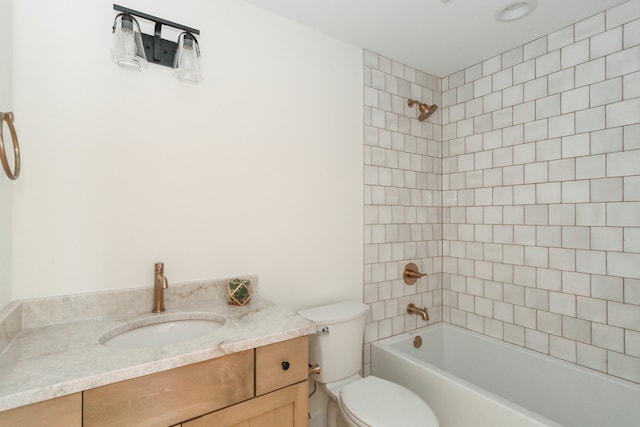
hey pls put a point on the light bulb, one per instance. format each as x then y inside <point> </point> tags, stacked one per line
<point>129,43</point>
<point>127,50</point>
<point>187,63</point>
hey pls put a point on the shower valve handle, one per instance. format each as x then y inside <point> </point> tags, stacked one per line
<point>411,274</point>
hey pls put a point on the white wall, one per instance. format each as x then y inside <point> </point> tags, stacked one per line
<point>6,104</point>
<point>257,170</point>
<point>6,38</point>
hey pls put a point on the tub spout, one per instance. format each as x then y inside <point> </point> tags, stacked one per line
<point>422,312</point>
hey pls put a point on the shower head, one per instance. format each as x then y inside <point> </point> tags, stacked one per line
<point>425,110</point>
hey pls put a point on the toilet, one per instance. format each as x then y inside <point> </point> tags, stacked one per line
<point>357,401</point>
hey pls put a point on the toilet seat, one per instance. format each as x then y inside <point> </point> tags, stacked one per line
<point>374,402</point>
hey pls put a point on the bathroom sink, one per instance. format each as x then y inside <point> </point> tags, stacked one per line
<point>162,330</point>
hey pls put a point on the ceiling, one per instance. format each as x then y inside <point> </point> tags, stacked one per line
<point>436,36</point>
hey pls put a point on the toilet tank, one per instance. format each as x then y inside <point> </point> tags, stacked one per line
<point>337,344</point>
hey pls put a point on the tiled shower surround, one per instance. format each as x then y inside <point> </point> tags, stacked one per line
<point>402,197</point>
<point>529,221</point>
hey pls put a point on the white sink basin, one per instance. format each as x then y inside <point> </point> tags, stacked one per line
<point>162,330</point>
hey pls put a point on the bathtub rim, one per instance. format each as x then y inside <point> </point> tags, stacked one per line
<point>529,352</point>
<point>506,404</point>
<point>387,343</point>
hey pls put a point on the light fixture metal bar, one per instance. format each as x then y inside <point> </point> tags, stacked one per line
<point>155,19</point>
<point>164,54</point>
<point>157,41</point>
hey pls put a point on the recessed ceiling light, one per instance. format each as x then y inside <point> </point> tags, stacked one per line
<point>515,10</point>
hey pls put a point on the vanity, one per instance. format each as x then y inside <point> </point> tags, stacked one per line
<point>252,369</point>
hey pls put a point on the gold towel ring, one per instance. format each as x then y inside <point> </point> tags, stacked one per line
<point>8,117</point>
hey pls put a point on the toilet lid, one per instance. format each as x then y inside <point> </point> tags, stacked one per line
<point>376,402</point>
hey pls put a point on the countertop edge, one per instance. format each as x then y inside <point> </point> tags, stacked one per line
<point>77,385</point>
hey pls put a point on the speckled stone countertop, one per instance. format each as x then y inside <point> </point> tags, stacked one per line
<point>51,347</point>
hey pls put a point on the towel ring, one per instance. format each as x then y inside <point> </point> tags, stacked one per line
<point>8,117</point>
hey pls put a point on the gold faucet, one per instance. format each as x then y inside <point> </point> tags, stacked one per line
<point>159,285</point>
<point>412,309</point>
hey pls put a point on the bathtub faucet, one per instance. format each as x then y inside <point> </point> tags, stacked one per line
<point>412,309</point>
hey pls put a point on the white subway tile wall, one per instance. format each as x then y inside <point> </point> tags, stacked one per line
<point>402,195</point>
<point>520,197</point>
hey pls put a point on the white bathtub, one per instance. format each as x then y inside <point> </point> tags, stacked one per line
<point>469,379</point>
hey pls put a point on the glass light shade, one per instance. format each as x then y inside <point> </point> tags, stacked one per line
<point>186,63</point>
<point>127,50</point>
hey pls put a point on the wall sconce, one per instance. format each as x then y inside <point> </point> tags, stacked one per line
<point>133,50</point>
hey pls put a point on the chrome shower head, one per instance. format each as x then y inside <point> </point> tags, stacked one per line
<point>425,110</point>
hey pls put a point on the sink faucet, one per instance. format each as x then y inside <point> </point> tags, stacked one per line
<point>159,285</point>
<point>412,309</point>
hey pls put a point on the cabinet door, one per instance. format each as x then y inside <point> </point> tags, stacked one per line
<point>287,407</point>
<point>63,411</point>
<point>169,397</point>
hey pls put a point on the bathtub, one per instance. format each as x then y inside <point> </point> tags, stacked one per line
<point>469,379</point>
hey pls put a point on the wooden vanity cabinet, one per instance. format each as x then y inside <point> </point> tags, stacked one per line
<point>169,397</point>
<point>63,411</point>
<point>287,407</point>
<point>281,391</point>
<point>262,387</point>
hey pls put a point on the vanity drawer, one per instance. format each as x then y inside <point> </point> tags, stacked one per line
<point>172,396</point>
<point>281,364</point>
<point>60,412</point>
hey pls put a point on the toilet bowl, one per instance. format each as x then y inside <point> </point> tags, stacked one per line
<point>375,402</point>
<point>357,401</point>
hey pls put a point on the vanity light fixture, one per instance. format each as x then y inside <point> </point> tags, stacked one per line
<point>133,50</point>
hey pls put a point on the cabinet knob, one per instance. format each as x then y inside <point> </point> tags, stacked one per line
<point>285,365</point>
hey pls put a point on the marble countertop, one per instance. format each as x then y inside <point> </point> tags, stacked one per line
<point>56,349</point>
